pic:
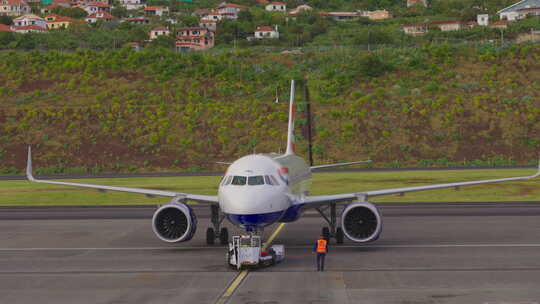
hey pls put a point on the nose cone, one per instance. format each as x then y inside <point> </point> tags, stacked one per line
<point>253,205</point>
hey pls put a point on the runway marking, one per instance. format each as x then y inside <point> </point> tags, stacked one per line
<point>226,296</point>
<point>272,237</point>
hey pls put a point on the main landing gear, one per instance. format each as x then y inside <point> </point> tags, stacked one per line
<point>216,232</point>
<point>333,231</point>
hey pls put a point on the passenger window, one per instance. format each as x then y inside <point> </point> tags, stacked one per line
<point>267,180</point>
<point>239,180</point>
<point>255,180</point>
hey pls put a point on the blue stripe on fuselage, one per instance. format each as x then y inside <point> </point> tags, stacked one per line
<point>255,220</point>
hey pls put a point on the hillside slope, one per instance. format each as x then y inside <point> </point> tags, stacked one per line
<point>90,111</point>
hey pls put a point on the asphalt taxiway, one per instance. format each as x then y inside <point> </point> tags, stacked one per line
<point>428,253</point>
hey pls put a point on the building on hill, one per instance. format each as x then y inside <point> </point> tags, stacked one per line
<point>156,10</point>
<point>97,7</point>
<point>276,7</point>
<point>230,10</point>
<point>47,9</point>
<point>55,22</point>
<point>103,16</point>
<point>299,9</point>
<point>415,29</point>
<point>209,24</point>
<point>503,24</point>
<point>14,8</point>
<point>266,32</point>
<point>447,25</point>
<point>471,24</point>
<point>133,4</point>
<point>342,16</point>
<point>520,10</point>
<point>159,31</point>
<point>200,12</point>
<point>482,19</point>
<point>136,20</point>
<point>193,39</point>
<point>212,16</point>
<point>378,15</point>
<point>30,19</point>
<point>29,29</point>
<point>417,2</point>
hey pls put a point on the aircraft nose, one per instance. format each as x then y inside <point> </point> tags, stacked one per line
<point>252,201</point>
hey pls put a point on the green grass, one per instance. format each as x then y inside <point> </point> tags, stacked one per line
<point>24,193</point>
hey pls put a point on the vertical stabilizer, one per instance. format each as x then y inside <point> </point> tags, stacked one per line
<point>290,132</point>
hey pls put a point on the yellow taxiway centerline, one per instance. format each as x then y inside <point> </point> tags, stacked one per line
<point>242,275</point>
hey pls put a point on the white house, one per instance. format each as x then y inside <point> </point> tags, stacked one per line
<point>212,16</point>
<point>208,24</point>
<point>30,19</point>
<point>159,31</point>
<point>93,18</point>
<point>520,10</point>
<point>276,7</point>
<point>301,8</point>
<point>266,32</point>
<point>447,26</point>
<point>133,4</point>
<point>30,29</point>
<point>156,10</point>
<point>14,7</point>
<point>482,19</point>
<point>415,29</point>
<point>230,10</point>
<point>96,7</point>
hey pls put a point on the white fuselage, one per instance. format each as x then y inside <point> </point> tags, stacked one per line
<point>261,189</point>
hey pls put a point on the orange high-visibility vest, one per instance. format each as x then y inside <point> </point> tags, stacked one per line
<point>321,246</point>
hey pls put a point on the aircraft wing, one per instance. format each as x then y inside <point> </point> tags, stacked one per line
<point>365,195</point>
<point>147,192</point>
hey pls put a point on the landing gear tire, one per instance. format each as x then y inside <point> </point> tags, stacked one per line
<point>326,233</point>
<point>339,235</point>
<point>224,236</point>
<point>210,236</point>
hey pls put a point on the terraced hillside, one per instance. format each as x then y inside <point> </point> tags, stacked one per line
<point>122,110</point>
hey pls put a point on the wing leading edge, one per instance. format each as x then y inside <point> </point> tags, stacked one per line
<point>147,192</point>
<point>365,195</point>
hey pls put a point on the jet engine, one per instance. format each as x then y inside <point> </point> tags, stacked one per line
<point>361,222</point>
<point>174,222</point>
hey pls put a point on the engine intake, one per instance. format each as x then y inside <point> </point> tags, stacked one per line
<point>174,222</point>
<point>361,222</point>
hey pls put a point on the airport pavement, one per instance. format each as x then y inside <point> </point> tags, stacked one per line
<point>428,253</point>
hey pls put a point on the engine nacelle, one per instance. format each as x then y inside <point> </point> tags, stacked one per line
<point>174,222</point>
<point>361,222</point>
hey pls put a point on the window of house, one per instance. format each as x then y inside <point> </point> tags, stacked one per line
<point>256,180</point>
<point>239,180</point>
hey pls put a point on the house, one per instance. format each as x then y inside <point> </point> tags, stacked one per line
<point>83,3</point>
<point>14,7</point>
<point>97,7</point>
<point>230,10</point>
<point>200,12</point>
<point>299,9</point>
<point>62,3</point>
<point>378,15</point>
<point>212,16</point>
<point>30,29</point>
<point>193,39</point>
<point>60,22</point>
<point>156,10</point>
<point>134,45</point>
<point>208,24</point>
<point>266,32</point>
<point>133,4</point>
<point>159,31</point>
<point>276,7</point>
<point>48,8</point>
<point>503,24</point>
<point>30,19</point>
<point>447,25</point>
<point>471,24</point>
<point>342,16</point>
<point>482,19</point>
<point>416,2</point>
<point>519,10</point>
<point>136,20</point>
<point>415,29</point>
<point>104,16</point>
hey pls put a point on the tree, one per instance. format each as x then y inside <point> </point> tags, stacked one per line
<point>7,20</point>
<point>119,11</point>
<point>163,41</point>
<point>73,12</point>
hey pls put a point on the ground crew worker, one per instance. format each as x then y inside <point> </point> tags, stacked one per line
<point>321,248</point>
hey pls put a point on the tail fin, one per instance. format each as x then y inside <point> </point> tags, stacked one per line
<point>290,132</point>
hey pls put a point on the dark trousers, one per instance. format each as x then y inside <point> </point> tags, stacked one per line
<point>320,261</point>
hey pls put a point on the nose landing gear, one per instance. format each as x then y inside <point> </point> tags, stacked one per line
<point>216,232</point>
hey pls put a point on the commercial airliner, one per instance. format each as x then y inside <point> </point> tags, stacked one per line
<point>258,190</point>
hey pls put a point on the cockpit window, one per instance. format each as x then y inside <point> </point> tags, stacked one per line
<point>267,180</point>
<point>255,180</point>
<point>274,180</point>
<point>228,181</point>
<point>239,180</point>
